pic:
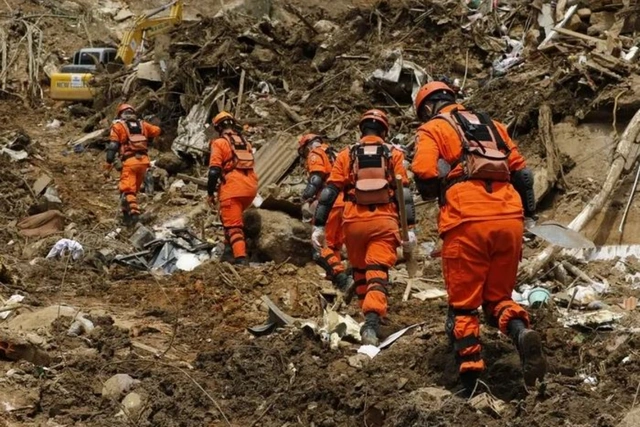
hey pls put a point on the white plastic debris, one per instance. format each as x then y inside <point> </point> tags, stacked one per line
<point>604,253</point>
<point>15,299</point>
<point>54,124</point>
<point>596,319</point>
<point>64,246</point>
<point>80,326</point>
<point>15,156</point>
<point>187,261</point>
<point>370,350</point>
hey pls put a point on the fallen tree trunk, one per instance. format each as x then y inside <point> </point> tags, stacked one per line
<point>623,150</point>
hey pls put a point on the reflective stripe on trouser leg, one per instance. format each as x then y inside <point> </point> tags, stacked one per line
<point>130,204</point>
<point>499,314</point>
<point>375,299</point>
<point>235,238</point>
<point>463,328</point>
<point>360,282</point>
<point>329,262</point>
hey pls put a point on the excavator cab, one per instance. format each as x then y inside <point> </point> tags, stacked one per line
<point>71,82</point>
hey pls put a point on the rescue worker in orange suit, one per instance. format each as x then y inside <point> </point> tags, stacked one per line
<point>365,173</point>
<point>232,176</point>
<point>470,163</point>
<point>127,152</point>
<point>319,158</point>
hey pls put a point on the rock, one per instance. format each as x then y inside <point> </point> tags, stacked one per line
<point>123,15</point>
<point>160,179</point>
<point>132,405</point>
<point>584,13</point>
<point>489,405</point>
<point>275,236</point>
<point>117,385</point>
<point>358,360</point>
<point>41,184</point>
<point>600,22</point>
<point>323,26</point>
<point>32,321</point>
<point>324,61</point>
<point>356,88</point>
<point>14,347</point>
<point>575,23</point>
<point>263,55</point>
<point>171,163</point>
<point>71,7</point>
<point>632,419</point>
<point>79,110</point>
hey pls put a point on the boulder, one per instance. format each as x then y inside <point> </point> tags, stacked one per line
<point>275,236</point>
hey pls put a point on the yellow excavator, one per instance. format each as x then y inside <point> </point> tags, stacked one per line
<point>72,82</point>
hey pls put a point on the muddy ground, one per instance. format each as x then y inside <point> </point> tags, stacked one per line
<point>184,336</point>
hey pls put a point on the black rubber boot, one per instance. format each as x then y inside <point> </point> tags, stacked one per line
<point>241,261</point>
<point>529,345</point>
<point>469,380</point>
<point>135,218</point>
<point>369,331</point>
<point>345,284</point>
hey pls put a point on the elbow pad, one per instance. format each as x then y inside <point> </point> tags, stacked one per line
<point>326,200</point>
<point>313,186</point>
<point>428,188</point>
<point>409,206</point>
<point>112,151</point>
<point>522,180</point>
<point>212,182</point>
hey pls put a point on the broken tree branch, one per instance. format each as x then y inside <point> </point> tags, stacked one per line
<point>623,150</point>
<point>290,112</point>
<point>545,125</point>
<point>240,93</point>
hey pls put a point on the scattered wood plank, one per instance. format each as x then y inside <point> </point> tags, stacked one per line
<point>240,93</point>
<point>546,43</point>
<point>201,182</point>
<point>90,138</point>
<point>289,111</point>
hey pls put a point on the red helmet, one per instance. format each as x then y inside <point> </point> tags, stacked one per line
<point>429,89</point>
<point>124,107</point>
<point>306,139</point>
<point>222,116</point>
<point>375,115</point>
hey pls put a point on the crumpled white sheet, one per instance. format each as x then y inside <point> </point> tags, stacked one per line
<point>63,246</point>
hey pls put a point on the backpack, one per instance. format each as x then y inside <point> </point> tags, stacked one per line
<point>136,140</point>
<point>485,155</point>
<point>372,175</point>
<point>242,154</point>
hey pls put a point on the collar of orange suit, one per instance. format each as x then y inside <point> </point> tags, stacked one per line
<point>450,108</point>
<point>371,139</point>
<point>228,132</point>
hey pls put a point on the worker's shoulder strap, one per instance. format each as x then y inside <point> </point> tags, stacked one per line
<point>132,127</point>
<point>330,152</point>
<point>236,141</point>
<point>461,121</point>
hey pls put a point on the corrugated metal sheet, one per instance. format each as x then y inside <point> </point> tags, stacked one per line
<point>274,159</point>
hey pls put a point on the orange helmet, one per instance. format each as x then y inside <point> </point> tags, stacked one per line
<point>429,89</point>
<point>221,117</point>
<point>377,116</point>
<point>124,107</point>
<point>306,139</point>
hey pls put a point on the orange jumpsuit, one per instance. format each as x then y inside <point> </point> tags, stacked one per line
<point>237,190</point>
<point>372,233</point>
<point>134,165</point>
<point>318,161</point>
<point>482,239</point>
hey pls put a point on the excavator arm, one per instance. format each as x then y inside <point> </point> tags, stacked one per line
<point>146,27</point>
